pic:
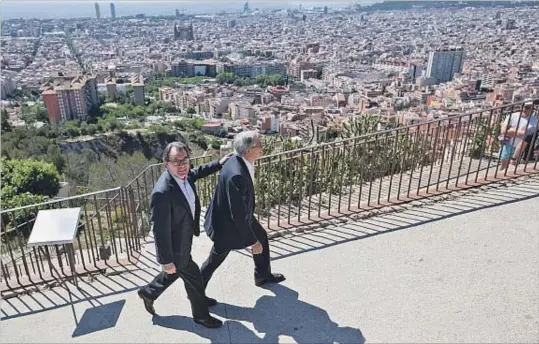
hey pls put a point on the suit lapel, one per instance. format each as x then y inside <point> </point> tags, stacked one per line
<point>177,191</point>
<point>245,171</point>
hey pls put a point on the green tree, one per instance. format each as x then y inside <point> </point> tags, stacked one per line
<point>226,78</point>
<point>92,129</point>
<point>223,133</point>
<point>365,124</point>
<point>5,121</point>
<point>34,113</point>
<point>10,200</point>
<point>54,154</point>
<point>199,139</point>
<point>239,82</point>
<point>84,128</point>
<point>180,125</point>
<point>478,143</point>
<point>77,166</point>
<point>276,79</point>
<point>216,144</point>
<point>30,176</point>
<point>158,129</point>
<point>108,172</point>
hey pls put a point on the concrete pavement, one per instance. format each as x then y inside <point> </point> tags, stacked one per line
<point>463,270</point>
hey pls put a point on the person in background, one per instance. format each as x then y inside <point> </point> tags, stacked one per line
<point>230,221</point>
<point>514,129</point>
<point>529,136</point>
<point>175,216</point>
<point>530,144</point>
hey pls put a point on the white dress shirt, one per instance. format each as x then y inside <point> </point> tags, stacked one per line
<point>251,169</point>
<point>187,192</point>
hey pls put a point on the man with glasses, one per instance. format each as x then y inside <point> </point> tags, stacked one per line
<point>175,217</point>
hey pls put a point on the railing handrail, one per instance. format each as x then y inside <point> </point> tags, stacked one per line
<point>305,184</point>
<point>153,165</point>
<point>292,151</point>
<point>59,200</point>
<point>381,132</point>
<point>142,172</point>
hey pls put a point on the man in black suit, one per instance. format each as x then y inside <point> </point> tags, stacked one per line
<point>175,216</point>
<point>230,220</point>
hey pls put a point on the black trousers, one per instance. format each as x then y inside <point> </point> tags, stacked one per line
<point>194,286</point>
<point>218,255</point>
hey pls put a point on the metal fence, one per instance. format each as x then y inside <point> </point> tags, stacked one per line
<point>371,170</point>
<point>388,167</point>
<point>141,187</point>
<point>106,236</point>
<point>111,227</point>
<point>292,187</point>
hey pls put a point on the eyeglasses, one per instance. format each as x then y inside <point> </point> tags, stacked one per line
<point>179,162</point>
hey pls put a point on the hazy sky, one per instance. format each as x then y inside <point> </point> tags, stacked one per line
<point>79,8</point>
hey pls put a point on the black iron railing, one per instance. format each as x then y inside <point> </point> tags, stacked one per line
<point>106,235</point>
<point>386,167</point>
<point>296,186</point>
<point>141,187</point>
<point>111,227</point>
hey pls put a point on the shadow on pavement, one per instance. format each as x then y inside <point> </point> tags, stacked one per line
<point>99,318</point>
<point>298,243</point>
<point>283,314</point>
<point>221,335</point>
<point>55,298</point>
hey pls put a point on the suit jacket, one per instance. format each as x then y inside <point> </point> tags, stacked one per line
<point>173,224</point>
<point>230,217</point>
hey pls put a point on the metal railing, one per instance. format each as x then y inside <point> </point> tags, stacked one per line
<point>385,167</point>
<point>141,187</point>
<point>292,187</point>
<point>106,235</point>
<point>371,170</point>
<point>111,227</point>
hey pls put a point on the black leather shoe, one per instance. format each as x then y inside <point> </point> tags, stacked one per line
<point>148,303</point>
<point>209,322</point>
<point>211,302</point>
<point>273,278</point>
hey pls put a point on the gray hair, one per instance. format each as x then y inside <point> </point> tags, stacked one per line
<point>245,140</point>
<point>176,144</point>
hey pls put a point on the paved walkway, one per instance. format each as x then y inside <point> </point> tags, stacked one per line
<point>462,270</point>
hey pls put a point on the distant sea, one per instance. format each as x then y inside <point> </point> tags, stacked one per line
<point>11,9</point>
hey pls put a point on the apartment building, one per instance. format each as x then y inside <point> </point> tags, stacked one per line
<point>187,69</point>
<point>168,95</point>
<point>269,123</point>
<point>444,64</point>
<point>70,98</point>
<point>239,110</point>
<point>252,70</point>
<point>7,86</point>
<point>138,89</point>
<point>112,90</point>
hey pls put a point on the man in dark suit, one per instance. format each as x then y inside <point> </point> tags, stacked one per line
<point>175,216</point>
<point>230,221</point>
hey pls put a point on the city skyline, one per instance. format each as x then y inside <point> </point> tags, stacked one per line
<point>86,9</point>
